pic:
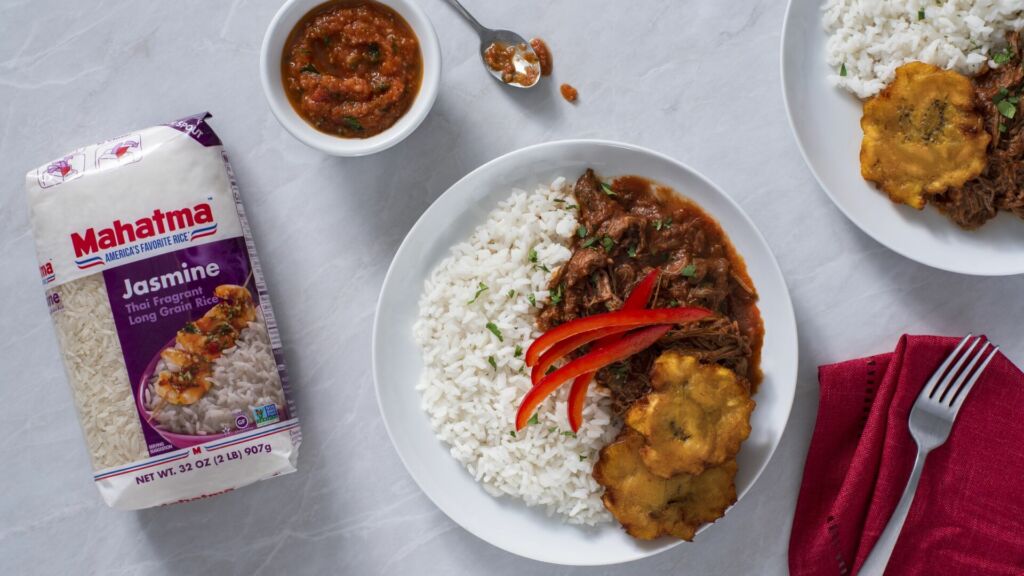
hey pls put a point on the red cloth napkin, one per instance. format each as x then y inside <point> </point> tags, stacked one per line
<point>968,514</point>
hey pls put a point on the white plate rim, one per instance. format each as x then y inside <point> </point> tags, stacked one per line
<point>788,313</point>
<point>876,235</point>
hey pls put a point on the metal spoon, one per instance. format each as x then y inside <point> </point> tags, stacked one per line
<point>523,60</point>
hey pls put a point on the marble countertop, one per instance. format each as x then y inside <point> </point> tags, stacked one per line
<point>696,80</point>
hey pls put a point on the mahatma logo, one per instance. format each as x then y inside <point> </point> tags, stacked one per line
<point>59,171</point>
<point>47,273</point>
<point>86,263</point>
<point>197,220</point>
<point>122,151</point>
<point>203,232</point>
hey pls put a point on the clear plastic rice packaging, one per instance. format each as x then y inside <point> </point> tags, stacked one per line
<point>162,316</point>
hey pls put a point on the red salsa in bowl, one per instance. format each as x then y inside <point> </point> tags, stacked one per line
<point>352,68</point>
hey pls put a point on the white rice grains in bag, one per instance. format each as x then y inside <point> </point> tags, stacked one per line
<point>162,316</point>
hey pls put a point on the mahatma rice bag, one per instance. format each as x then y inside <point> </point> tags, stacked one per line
<point>164,322</point>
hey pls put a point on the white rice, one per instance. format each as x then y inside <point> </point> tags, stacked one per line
<point>872,38</point>
<point>471,405</point>
<point>244,377</point>
<point>96,371</point>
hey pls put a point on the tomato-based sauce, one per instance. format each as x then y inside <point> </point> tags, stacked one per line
<point>540,48</point>
<point>352,68</point>
<point>516,64</point>
<point>569,92</point>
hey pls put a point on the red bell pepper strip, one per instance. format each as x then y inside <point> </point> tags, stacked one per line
<point>565,347</point>
<point>641,295</point>
<point>619,318</point>
<point>592,361</point>
<point>636,300</point>
<point>577,396</point>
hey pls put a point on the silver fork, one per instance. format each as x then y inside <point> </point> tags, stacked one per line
<point>931,419</point>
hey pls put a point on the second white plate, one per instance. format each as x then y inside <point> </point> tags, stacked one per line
<point>826,122</point>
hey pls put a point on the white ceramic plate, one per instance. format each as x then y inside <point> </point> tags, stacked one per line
<point>397,365</point>
<point>826,122</point>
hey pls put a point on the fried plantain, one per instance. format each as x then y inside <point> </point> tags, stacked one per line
<point>649,506</point>
<point>696,415</point>
<point>923,134</point>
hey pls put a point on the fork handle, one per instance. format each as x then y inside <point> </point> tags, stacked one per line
<point>877,560</point>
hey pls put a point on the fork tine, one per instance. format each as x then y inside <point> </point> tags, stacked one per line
<point>961,393</point>
<point>933,382</point>
<point>947,379</point>
<point>962,377</point>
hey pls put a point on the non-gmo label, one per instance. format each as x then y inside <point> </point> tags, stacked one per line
<point>264,415</point>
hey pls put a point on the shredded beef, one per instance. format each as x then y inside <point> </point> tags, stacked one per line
<point>1001,185</point>
<point>628,228</point>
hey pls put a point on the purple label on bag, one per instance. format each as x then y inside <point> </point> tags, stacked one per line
<point>182,344</point>
<point>196,127</point>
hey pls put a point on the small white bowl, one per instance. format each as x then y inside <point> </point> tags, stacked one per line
<point>270,76</point>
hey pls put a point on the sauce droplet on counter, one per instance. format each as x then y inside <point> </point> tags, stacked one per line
<point>569,93</point>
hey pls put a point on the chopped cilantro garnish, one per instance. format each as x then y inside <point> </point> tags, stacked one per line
<point>569,433</point>
<point>589,242</point>
<point>581,231</point>
<point>1002,128</point>
<point>533,420</point>
<point>558,201</point>
<point>842,69</point>
<point>556,295</point>
<point>352,123</point>
<point>373,53</point>
<point>495,330</point>
<point>620,370</point>
<point>533,254</point>
<point>1000,96</point>
<point>518,352</point>
<point>543,267</point>
<point>920,14</point>
<point>631,251</point>
<point>608,243</point>
<point>1007,108</point>
<point>690,270</point>
<point>550,370</point>
<point>673,304</point>
<point>1002,57</point>
<point>492,362</point>
<point>552,429</point>
<point>511,294</point>
<point>571,207</point>
<point>512,433</point>
<point>582,457</point>
<point>607,189</point>
<point>480,288</point>
<point>657,224</point>
<point>532,299</point>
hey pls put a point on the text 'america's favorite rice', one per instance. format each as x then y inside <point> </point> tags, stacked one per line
<point>162,316</point>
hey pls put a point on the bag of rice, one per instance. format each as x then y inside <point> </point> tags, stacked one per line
<point>162,316</point>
